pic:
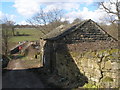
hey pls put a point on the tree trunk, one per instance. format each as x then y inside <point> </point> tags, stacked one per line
<point>13,31</point>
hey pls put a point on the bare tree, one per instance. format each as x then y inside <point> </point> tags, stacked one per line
<point>77,20</point>
<point>113,9</point>
<point>6,34</point>
<point>108,7</point>
<point>12,25</point>
<point>47,20</point>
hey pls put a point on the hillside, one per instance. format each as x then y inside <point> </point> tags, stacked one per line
<point>26,34</point>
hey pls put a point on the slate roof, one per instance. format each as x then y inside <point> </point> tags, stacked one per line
<point>62,30</point>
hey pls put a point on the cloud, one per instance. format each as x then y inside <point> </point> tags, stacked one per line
<point>65,6</point>
<point>111,7</point>
<point>68,0</point>
<point>7,16</point>
<point>23,23</point>
<point>27,7</point>
<point>1,15</point>
<point>73,9</point>
<point>70,6</point>
<point>98,15</point>
<point>30,7</point>
<point>95,15</point>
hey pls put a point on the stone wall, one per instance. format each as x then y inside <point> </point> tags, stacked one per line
<point>98,66</point>
<point>101,67</point>
<point>82,54</point>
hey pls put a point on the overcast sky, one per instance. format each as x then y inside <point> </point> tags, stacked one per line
<point>20,10</point>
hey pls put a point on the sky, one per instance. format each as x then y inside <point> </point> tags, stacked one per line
<point>21,10</point>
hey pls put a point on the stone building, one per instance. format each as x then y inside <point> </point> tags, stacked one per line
<point>81,53</point>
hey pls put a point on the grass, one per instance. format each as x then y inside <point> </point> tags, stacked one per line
<point>33,34</point>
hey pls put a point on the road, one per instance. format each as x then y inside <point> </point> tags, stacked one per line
<point>21,79</point>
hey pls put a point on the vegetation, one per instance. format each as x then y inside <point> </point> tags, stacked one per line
<point>5,60</point>
<point>107,7</point>
<point>26,34</point>
<point>88,85</point>
<point>47,20</point>
<point>108,79</point>
<point>109,10</point>
<point>111,29</point>
<point>7,29</point>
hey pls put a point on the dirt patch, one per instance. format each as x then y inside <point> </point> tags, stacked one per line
<point>31,51</point>
<point>23,64</point>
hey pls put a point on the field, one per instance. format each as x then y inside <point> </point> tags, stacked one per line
<point>26,34</point>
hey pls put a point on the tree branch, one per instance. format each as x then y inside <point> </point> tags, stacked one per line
<point>107,9</point>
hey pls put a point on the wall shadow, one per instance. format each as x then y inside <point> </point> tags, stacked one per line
<point>58,60</point>
<point>19,56</point>
<point>22,35</point>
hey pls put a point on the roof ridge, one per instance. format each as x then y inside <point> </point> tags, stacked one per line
<point>55,34</point>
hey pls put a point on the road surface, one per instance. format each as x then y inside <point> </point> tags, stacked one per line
<point>21,79</point>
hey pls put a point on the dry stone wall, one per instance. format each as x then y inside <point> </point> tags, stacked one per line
<point>100,67</point>
<point>86,54</point>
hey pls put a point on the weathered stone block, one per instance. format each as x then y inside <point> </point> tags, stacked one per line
<point>88,75</point>
<point>115,75</point>
<point>95,79</point>
<point>91,66</point>
<point>92,63</point>
<point>90,55</point>
<point>89,70</point>
<point>82,71</point>
<point>100,54</point>
<point>115,84</point>
<point>96,66</point>
<point>108,74</point>
<point>108,65</point>
<point>106,82</point>
<point>112,58</point>
<point>114,52</point>
<point>107,79</point>
<point>115,65</point>
<point>97,73</point>
<point>98,60</point>
<point>106,53</point>
<point>84,62</point>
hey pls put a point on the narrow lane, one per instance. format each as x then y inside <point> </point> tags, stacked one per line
<point>21,79</point>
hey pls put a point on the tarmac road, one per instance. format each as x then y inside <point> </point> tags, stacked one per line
<point>21,79</point>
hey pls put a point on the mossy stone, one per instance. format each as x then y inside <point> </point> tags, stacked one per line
<point>108,65</point>
<point>115,65</point>
<point>84,62</point>
<point>116,51</point>
<point>107,79</point>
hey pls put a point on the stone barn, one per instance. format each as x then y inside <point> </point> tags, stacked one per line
<point>82,53</point>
